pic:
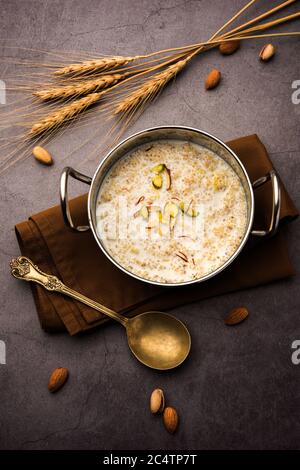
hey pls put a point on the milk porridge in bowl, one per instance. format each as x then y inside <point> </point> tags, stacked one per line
<point>171,206</point>
<point>171,211</point>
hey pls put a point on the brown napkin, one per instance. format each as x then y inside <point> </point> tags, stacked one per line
<point>78,261</point>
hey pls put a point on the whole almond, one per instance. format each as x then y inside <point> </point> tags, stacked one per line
<point>212,79</point>
<point>157,401</point>
<point>229,47</point>
<point>57,379</point>
<point>267,52</point>
<point>237,315</point>
<point>42,155</point>
<point>170,419</point>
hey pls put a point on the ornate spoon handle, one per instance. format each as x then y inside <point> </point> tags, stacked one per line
<point>23,268</point>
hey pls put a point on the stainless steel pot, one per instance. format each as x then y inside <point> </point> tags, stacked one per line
<point>176,133</point>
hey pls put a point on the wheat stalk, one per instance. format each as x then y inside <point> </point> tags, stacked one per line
<point>92,66</point>
<point>150,88</point>
<point>130,88</point>
<point>64,114</point>
<point>81,88</point>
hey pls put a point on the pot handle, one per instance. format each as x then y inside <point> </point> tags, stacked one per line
<point>64,201</point>
<point>276,193</point>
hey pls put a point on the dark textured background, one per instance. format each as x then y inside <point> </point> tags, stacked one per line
<point>239,388</point>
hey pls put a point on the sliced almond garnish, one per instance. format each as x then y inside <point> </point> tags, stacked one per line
<point>140,200</point>
<point>183,256</point>
<point>168,179</point>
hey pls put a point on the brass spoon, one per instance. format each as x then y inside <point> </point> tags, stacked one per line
<point>157,339</point>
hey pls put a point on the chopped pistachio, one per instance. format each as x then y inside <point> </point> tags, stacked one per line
<point>219,183</point>
<point>192,212</point>
<point>159,168</point>
<point>155,216</point>
<point>189,210</point>
<point>157,181</point>
<point>171,209</point>
<point>144,212</point>
<point>170,214</point>
<point>172,222</point>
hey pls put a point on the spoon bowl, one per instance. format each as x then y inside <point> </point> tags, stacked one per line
<point>158,340</point>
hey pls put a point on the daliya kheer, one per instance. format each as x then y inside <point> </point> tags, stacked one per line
<point>171,211</point>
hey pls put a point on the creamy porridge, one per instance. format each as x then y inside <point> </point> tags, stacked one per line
<point>171,211</point>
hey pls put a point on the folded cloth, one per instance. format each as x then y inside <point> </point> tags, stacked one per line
<point>78,261</point>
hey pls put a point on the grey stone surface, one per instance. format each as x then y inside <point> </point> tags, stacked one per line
<point>239,388</point>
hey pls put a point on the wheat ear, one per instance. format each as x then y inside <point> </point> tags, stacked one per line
<point>82,88</point>
<point>150,88</point>
<point>64,114</point>
<point>92,66</point>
